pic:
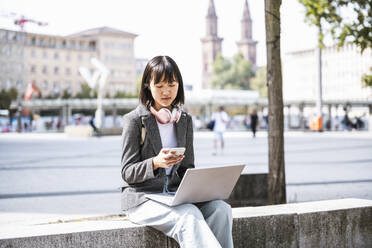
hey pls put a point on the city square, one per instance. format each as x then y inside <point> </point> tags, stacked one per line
<point>90,104</point>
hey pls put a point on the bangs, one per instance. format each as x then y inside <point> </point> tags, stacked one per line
<point>163,72</point>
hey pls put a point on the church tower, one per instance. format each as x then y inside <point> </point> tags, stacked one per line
<point>211,46</point>
<point>246,45</point>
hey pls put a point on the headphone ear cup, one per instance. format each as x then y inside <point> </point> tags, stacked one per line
<point>174,114</point>
<point>164,115</point>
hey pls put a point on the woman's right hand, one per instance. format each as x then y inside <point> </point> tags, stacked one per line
<point>165,159</point>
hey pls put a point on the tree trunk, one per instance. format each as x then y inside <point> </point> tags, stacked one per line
<point>276,178</point>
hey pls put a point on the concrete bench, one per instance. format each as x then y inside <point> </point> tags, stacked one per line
<point>333,223</point>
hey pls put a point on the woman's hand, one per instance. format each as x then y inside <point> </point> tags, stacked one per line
<point>165,159</point>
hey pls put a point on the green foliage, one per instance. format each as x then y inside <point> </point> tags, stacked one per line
<point>231,74</point>
<point>367,79</point>
<point>66,94</point>
<point>7,96</point>
<point>259,82</point>
<point>86,92</point>
<point>347,21</point>
<point>124,94</point>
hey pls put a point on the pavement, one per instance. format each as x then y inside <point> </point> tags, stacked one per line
<point>46,177</point>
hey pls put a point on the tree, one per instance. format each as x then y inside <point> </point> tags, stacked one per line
<point>124,94</point>
<point>347,21</point>
<point>232,74</point>
<point>259,82</point>
<point>7,96</point>
<point>276,177</point>
<point>86,92</point>
<point>66,94</point>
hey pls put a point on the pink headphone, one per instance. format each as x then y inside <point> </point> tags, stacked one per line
<point>164,115</point>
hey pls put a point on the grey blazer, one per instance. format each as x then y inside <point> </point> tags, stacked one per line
<point>136,159</point>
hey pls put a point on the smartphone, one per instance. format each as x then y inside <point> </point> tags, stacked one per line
<point>178,150</point>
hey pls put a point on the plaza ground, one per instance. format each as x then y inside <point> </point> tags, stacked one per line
<point>43,176</point>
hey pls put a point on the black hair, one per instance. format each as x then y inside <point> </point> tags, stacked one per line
<point>161,68</point>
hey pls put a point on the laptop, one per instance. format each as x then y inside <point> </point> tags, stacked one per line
<point>202,184</point>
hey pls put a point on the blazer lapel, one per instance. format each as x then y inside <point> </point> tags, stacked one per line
<point>181,127</point>
<point>153,132</point>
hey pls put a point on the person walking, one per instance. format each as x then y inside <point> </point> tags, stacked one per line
<point>157,124</point>
<point>254,121</point>
<point>220,119</point>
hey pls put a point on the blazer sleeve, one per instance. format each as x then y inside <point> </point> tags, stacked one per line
<point>189,153</point>
<point>133,169</point>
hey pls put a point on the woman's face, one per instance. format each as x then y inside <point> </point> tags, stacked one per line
<point>163,93</point>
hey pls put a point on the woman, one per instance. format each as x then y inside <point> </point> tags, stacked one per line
<point>156,124</point>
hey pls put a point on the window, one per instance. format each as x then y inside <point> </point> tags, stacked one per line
<point>33,41</point>
<point>45,84</point>
<point>68,57</point>
<point>33,68</point>
<point>81,45</point>
<point>68,86</point>
<point>80,57</point>
<point>9,84</point>
<point>63,44</point>
<point>56,55</point>
<point>45,69</point>
<point>56,87</point>
<point>45,54</point>
<point>41,42</point>
<point>68,71</point>
<point>72,44</point>
<point>19,84</point>
<point>33,53</point>
<point>92,45</point>
<point>56,70</point>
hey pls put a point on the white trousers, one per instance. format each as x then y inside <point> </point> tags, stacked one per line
<point>207,224</point>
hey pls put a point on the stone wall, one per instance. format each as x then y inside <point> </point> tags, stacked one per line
<point>334,223</point>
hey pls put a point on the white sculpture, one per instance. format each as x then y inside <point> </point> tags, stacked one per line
<point>100,75</point>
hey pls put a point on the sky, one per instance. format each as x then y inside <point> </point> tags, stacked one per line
<point>166,27</point>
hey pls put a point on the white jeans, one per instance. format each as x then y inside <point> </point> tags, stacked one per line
<point>204,225</point>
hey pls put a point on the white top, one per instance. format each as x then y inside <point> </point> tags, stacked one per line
<point>168,137</point>
<point>221,119</point>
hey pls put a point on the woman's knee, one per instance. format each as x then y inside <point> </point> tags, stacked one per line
<point>221,208</point>
<point>188,210</point>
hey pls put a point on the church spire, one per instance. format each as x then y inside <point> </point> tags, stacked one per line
<point>211,10</point>
<point>246,12</point>
<point>246,45</point>
<point>246,23</point>
<point>211,45</point>
<point>211,20</point>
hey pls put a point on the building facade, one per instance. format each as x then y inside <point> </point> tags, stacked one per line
<point>212,44</point>
<point>342,70</point>
<point>52,62</point>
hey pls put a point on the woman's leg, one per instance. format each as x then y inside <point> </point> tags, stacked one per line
<point>185,223</point>
<point>218,216</point>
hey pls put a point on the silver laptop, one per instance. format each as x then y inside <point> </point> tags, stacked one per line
<point>202,184</point>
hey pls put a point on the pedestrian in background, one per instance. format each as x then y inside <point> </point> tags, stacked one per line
<point>220,119</point>
<point>254,121</point>
<point>95,129</point>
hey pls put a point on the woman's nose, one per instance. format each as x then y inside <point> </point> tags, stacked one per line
<point>166,90</point>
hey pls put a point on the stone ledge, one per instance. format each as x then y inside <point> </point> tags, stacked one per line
<point>334,223</point>
<point>87,131</point>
